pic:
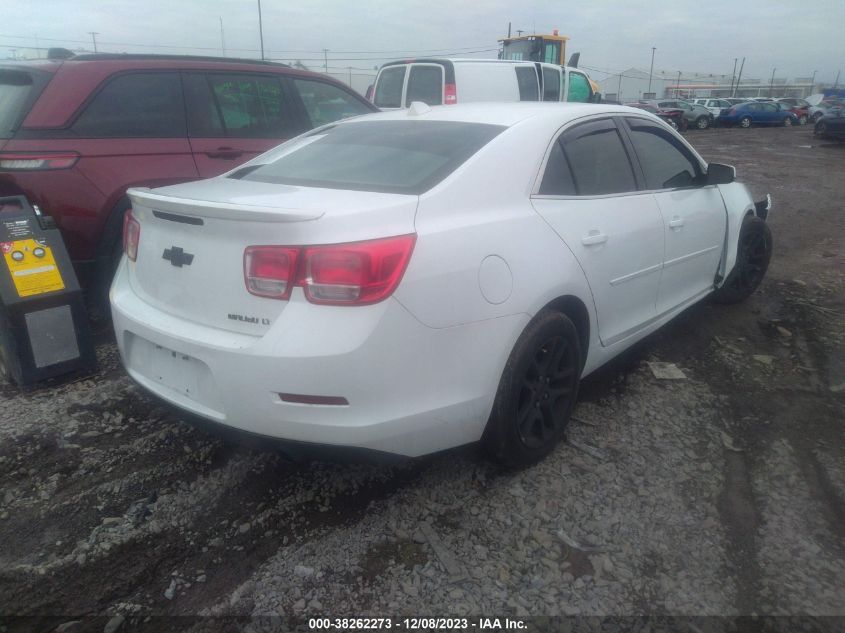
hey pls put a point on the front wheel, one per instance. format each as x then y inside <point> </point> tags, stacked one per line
<point>817,116</point>
<point>754,251</point>
<point>536,393</point>
<point>702,122</point>
<point>745,122</point>
<point>820,129</point>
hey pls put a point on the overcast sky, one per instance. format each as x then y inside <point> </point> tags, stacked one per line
<point>694,36</point>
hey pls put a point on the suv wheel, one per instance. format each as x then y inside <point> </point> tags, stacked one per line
<point>536,393</point>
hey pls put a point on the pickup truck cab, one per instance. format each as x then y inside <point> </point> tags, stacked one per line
<point>442,81</point>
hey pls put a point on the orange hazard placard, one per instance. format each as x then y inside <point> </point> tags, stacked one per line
<point>32,267</point>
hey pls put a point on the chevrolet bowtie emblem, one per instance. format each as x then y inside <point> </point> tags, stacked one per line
<point>176,256</point>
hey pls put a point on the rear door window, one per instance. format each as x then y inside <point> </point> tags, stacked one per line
<point>557,179</point>
<point>253,106</point>
<point>326,103</point>
<point>425,83</point>
<point>204,118</point>
<point>579,88</point>
<point>526,79</point>
<point>388,93</point>
<point>147,105</point>
<point>598,159</point>
<point>551,84</point>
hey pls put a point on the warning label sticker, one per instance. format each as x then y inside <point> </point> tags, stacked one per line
<point>32,266</point>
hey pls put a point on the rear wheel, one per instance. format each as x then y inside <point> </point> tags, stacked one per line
<point>754,251</point>
<point>787,121</point>
<point>536,393</point>
<point>745,122</point>
<point>702,122</point>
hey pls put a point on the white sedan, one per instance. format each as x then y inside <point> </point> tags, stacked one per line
<point>410,281</point>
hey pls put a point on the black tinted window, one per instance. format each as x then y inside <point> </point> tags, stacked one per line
<point>551,84</point>
<point>557,179</point>
<point>389,87</point>
<point>203,113</point>
<point>598,159</point>
<point>326,103</point>
<point>526,79</point>
<point>253,106</point>
<point>136,105</point>
<point>388,156</point>
<point>667,164</point>
<point>425,83</point>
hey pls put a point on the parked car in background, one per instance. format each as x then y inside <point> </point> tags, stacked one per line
<point>757,113</point>
<point>441,81</point>
<point>714,106</point>
<point>832,124</point>
<point>673,116</point>
<point>798,107</point>
<point>76,133</point>
<point>735,100</point>
<point>384,303</point>
<point>821,108</point>
<point>697,116</point>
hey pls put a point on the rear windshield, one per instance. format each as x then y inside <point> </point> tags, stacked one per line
<point>15,87</point>
<point>408,157</point>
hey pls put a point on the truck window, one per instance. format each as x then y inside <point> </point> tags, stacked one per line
<point>389,87</point>
<point>551,84</point>
<point>579,88</point>
<point>425,83</point>
<point>526,79</point>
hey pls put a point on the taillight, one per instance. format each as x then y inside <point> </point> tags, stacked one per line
<point>131,235</point>
<point>39,161</point>
<point>450,94</point>
<point>270,271</point>
<point>358,273</point>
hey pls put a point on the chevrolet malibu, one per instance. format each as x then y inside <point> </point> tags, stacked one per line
<point>410,281</point>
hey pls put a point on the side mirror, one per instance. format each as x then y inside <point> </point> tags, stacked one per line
<point>719,174</point>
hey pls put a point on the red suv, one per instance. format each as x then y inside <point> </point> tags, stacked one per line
<point>76,132</point>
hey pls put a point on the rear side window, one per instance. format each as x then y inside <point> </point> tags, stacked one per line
<point>551,84</point>
<point>598,159</point>
<point>325,103</point>
<point>389,87</point>
<point>666,163</point>
<point>526,79</point>
<point>579,88</point>
<point>425,83</point>
<point>15,88</point>
<point>557,179</point>
<point>253,106</point>
<point>147,105</point>
<point>406,157</point>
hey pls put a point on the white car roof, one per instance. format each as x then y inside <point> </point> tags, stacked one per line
<point>506,114</point>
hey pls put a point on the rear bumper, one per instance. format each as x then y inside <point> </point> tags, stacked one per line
<point>411,389</point>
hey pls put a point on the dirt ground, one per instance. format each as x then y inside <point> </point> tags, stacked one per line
<point>719,494</point>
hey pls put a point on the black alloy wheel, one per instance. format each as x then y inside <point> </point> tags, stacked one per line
<point>754,252</point>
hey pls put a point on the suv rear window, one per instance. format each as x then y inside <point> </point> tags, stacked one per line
<point>406,157</point>
<point>15,87</point>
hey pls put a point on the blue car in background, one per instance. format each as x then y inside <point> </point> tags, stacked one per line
<point>757,113</point>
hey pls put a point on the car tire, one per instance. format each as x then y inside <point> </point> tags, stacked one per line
<point>5,376</point>
<point>702,123</point>
<point>802,120</point>
<point>820,130</point>
<point>745,122</point>
<point>109,254</point>
<point>754,252</point>
<point>536,393</point>
<point>816,117</point>
<point>672,124</point>
<point>787,121</point>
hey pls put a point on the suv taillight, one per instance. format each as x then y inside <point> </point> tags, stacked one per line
<point>450,94</point>
<point>357,273</point>
<point>37,162</point>
<point>131,235</point>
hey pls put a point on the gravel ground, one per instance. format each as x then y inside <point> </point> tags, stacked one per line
<point>722,493</point>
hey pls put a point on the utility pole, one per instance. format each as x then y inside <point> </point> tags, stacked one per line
<point>260,30</point>
<point>519,33</point>
<point>813,80</point>
<point>836,81</point>
<point>651,70</point>
<point>738,78</point>
<point>772,83</point>
<point>222,39</point>
<point>350,75</point>
<point>326,60</point>
<point>619,89</point>
<point>509,30</point>
<point>678,86</point>
<point>94,35</point>
<point>733,76</point>
<point>37,47</point>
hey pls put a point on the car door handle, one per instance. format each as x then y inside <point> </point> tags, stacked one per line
<point>227,153</point>
<point>593,237</point>
<point>676,222</point>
